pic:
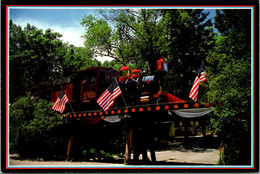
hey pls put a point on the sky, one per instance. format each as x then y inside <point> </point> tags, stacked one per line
<point>64,20</point>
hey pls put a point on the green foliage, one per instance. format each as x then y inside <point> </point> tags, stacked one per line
<point>98,35</point>
<point>182,36</point>
<point>31,54</point>
<point>113,64</point>
<point>186,45</point>
<point>37,56</point>
<point>36,130</point>
<point>134,33</point>
<point>230,86</point>
<point>77,58</point>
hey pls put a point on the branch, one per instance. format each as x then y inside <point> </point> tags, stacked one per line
<point>131,12</point>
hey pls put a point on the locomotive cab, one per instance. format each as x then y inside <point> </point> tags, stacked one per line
<point>93,82</point>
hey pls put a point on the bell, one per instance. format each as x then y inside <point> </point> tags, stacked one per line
<point>162,65</point>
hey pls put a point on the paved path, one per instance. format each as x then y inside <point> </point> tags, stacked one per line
<point>28,163</point>
<point>194,156</point>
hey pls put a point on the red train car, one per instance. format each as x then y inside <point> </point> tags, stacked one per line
<point>84,87</point>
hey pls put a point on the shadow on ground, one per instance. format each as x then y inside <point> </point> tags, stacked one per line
<point>157,163</point>
<point>193,144</point>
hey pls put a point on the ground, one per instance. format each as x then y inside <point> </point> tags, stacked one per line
<point>198,151</point>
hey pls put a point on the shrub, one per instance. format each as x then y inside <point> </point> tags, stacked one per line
<point>36,131</point>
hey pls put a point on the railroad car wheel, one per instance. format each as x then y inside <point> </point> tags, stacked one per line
<point>160,100</point>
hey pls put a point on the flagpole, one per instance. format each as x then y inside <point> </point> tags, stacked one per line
<point>122,94</point>
<point>69,103</point>
<point>71,108</point>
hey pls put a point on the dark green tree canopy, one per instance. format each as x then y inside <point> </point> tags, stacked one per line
<point>37,56</point>
<point>230,84</point>
<point>182,36</point>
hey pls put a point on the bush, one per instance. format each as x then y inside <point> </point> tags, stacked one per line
<point>36,131</point>
<point>230,94</point>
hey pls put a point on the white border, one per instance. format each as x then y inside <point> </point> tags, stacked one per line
<point>133,7</point>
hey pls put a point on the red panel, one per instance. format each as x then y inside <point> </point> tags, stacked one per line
<point>67,89</point>
<point>54,95</point>
<point>196,105</point>
<point>91,120</point>
<point>207,104</point>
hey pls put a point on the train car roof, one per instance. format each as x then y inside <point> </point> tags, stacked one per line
<point>96,68</point>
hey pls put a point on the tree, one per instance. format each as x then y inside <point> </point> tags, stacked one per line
<point>37,56</point>
<point>98,35</point>
<point>33,55</point>
<point>128,40</point>
<point>36,131</point>
<point>182,36</point>
<point>77,58</point>
<point>230,85</point>
<point>189,34</point>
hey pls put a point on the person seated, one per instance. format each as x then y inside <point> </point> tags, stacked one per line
<point>135,73</point>
<point>124,71</point>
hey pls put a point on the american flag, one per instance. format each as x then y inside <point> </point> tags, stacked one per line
<point>60,103</point>
<point>203,77</point>
<point>200,78</point>
<point>106,100</point>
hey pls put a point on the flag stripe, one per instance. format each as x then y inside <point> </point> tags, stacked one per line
<point>195,85</point>
<point>110,98</point>
<point>117,92</point>
<point>108,104</point>
<point>57,104</point>
<point>200,78</point>
<point>195,89</point>
<point>203,77</point>
<point>106,100</point>
<point>60,103</point>
<point>102,96</point>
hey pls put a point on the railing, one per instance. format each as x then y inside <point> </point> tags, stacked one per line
<point>135,109</point>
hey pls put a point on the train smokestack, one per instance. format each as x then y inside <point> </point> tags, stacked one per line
<point>152,57</point>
